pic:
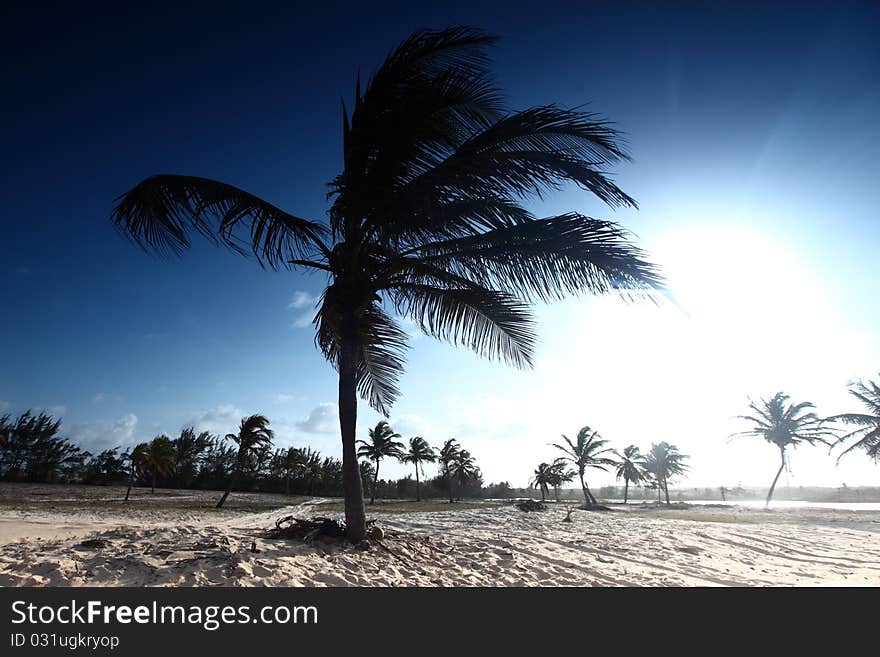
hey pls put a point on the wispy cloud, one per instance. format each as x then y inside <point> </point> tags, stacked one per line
<point>5,406</point>
<point>105,397</point>
<point>105,434</point>
<point>219,420</point>
<point>304,305</point>
<point>324,418</point>
<point>284,398</point>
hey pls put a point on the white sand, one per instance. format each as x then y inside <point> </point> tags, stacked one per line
<point>498,546</point>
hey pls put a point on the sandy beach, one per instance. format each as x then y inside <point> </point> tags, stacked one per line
<point>77,536</point>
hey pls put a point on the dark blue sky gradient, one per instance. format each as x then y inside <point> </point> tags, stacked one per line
<point>764,105</point>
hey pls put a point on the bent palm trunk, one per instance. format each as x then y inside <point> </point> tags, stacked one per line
<point>666,490</point>
<point>625,489</point>
<point>355,516</point>
<point>418,485</point>
<point>229,485</point>
<point>775,479</point>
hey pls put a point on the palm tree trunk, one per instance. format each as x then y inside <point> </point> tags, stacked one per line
<point>543,496</point>
<point>666,489</point>
<point>130,482</point>
<point>584,489</point>
<point>625,489</point>
<point>775,479</point>
<point>418,485</point>
<point>375,484</point>
<point>230,484</point>
<point>355,516</point>
<point>659,491</point>
<point>556,492</point>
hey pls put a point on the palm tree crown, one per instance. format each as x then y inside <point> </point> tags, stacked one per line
<point>588,451</point>
<point>867,435</point>
<point>426,222</point>
<point>664,462</point>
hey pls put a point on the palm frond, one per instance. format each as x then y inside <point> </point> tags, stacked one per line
<point>494,324</point>
<point>160,212</point>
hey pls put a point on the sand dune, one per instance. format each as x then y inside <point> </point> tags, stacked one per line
<point>498,546</point>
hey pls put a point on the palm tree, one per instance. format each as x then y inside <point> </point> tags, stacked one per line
<point>367,472</point>
<point>784,425</point>
<point>663,462</point>
<point>426,222</point>
<point>253,434</point>
<point>292,461</point>
<point>543,475</point>
<point>560,474</point>
<point>629,469</point>
<point>463,469</point>
<point>588,452</point>
<point>159,458</point>
<point>446,457</point>
<point>868,432</point>
<point>419,452</point>
<point>382,445</point>
<point>189,449</point>
<point>137,460</point>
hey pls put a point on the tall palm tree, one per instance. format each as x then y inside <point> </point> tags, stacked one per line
<point>868,433</point>
<point>420,452</point>
<point>446,457</point>
<point>664,462</point>
<point>381,445</point>
<point>367,473</point>
<point>463,469</point>
<point>137,460</point>
<point>292,462</point>
<point>784,425</point>
<point>589,451</point>
<point>426,222</point>
<point>159,459</point>
<point>543,477</point>
<point>253,434</point>
<point>629,469</point>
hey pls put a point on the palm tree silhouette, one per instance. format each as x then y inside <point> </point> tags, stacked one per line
<point>159,459</point>
<point>426,223</point>
<point>137,460</point>
<point>868,432</point>
<point>629,469</point>
<point>543,477</point>
<point>663,462</point>
<point>560,474</point>
<point>292,462</point>
<point>382,445</point>
<point>588,451</point>
<point>253,434</point>
<point>463,470</point>
<point>446,457</point>
<point>419,452</point>
<point>784,425</point>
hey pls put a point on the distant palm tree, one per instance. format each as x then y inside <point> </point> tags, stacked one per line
<point>463,469</point>
<point>784,425</point>
<point>426,222</point>
<point>664,462</point>
<point>588,451</point>
<point>189,449</point>
<point>446,457</point>
<point>253,434</point>
<point>159,459</point>
<point>543,477</point>
<point>629,469</point>
<point>381,445</point>
<point>560,474</point>
<point>367,473</point>
<point>419,452</point>
<point>868,432</point>
<point>292,461</point>
<point>137,460</point>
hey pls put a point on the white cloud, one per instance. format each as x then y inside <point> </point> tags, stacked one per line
<point>284,398</point>
<point>324,418</point>
<point>304,304</point>
<point>5,406</point>
<point>219,420</point>
<point>105,434</point>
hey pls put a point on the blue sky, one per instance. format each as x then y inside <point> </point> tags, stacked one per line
<point>754,135</point>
